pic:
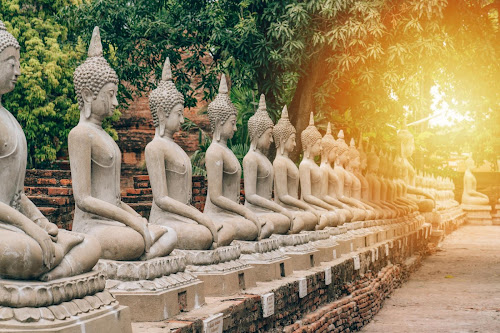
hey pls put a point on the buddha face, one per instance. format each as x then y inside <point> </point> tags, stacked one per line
<point>363,163</point>
<point>332,155</point>
<point>355,163</point>
<point>343,158</point>
<point>175,118</point>
<point>264,141</point>
<point>469,163</point>
<point>290,144</point>
<point>9,69</point>
<point>228,128</point>
<point>408,147</point>
<point>315,149</point>
<point>105,102</point>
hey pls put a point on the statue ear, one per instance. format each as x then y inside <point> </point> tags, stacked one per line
<point>217,130</point>
<point>282,149</point>
<point>87,97</point>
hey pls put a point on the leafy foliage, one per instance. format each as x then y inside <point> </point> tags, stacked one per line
<point>43,100</point>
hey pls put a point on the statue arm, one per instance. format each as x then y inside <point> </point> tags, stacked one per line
<point>305,187</point>
<point>11,216</point>
<point>414,190</point>
<point>281,188</point>
<point>158,179</point>
<point>250,168</point>
<point>215,170</point>
<point>80,157</point>
<point>28,209</point>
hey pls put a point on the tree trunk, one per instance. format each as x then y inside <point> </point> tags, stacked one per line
<point>303,102</point>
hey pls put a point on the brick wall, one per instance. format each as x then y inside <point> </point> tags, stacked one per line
<point>51,192</point>
<point>345,305</point>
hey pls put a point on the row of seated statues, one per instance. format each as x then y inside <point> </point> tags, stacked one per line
<point>350,184</point>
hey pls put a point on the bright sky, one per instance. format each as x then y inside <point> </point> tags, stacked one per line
<point>444,114</point>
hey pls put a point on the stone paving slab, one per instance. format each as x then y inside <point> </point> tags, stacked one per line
<point>457,289</point>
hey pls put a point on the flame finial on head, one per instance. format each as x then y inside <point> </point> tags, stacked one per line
<point>351,143</point>
<point>329,129</point>
<point>223,85</point>
<point>166,74</point>
<point>95,47</point>
<point>311,119</point>
<point>341,135</point>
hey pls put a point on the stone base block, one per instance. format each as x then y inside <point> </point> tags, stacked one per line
<point>110,319</point>
<point>345,244</point>
<point>227,283</point>
<point>478,214</point>
<point>74,304</point>
<point>302,261</point>
<point>371,237</point>
<point>273,270</point>
<point>162,304</point>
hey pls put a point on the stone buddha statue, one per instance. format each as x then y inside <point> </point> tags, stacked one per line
<point>170,175</point>
<point>333,188</point>
<point>373,164</point>
<point>224,174</point>
<point>353,169</point>
<point>470,196</point>
<point>32,248</point>
<point>313,181</point>
<point>357,170</point>
<point>95,161</point>
<point>286,176</point>
<point>387,186</point>
<point>346,180</point>
<point>400,186</point>
<point>259,175</point>
<point>407,148</point>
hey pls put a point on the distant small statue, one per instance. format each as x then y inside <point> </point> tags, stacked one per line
<point>470,196</point>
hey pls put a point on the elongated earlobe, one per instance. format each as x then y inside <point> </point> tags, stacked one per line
<point>162,129</point>
<point>87,110</point>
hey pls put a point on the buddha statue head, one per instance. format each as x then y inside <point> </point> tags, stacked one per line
<point>407,142</point>
<point>311,139</point>
<point>373,161</point>
<point>469,163</point>
<point>328,145</point>
<point>284,133</point>
<point>362,154</point>
<point>166,103</point>
<point>9,61</point>
<point>260,127</point>
<point>342,149</point>
<point>96,83</point>
<point>353,156</point>
<point>222,113</point>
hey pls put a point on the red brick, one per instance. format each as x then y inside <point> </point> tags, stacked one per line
<point>46,181</point>
<point>59,191</point>
<point>65,182</point>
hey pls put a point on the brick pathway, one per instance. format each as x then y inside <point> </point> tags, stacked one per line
<point>457,289</point>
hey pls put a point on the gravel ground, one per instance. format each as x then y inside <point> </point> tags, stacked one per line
<point>457,289</point>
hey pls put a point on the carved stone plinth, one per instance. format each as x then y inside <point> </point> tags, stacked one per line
<point>155,289</point>
<point>496,215</point>
<point>344,240</point>
<point>74,304</point>
<point>478,214</point>
<point>264,255</point>
<point>221,270</point>
<point>371,232</point>
<point>298,247</point>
